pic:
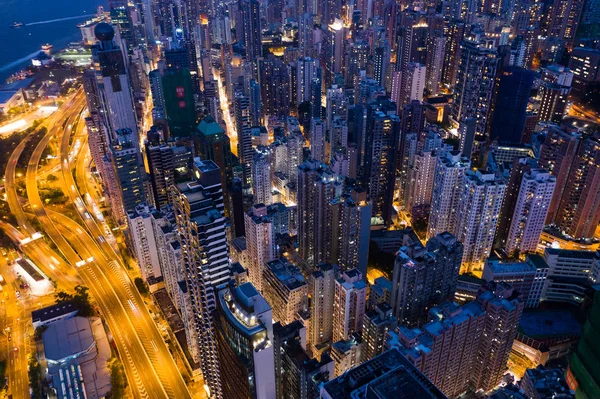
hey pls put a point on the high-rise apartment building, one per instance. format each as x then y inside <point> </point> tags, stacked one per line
<point>259,242</point>
<point>381,61</point>
<point>169,250</point>
<point>306,71</point>
<point>445,348</point>
<point>351,228</point>
<point>359,55</point>
<point>349,304</point>
<point>243,127</point>
<point>519,167</point>
<point>465,347</point>
<point>424,276</point>
<point>317,188</point>
<point>244,338</point>
<point>510,106</point>
<point>554,92</point>
<point>413,84</point>
<point>98,141</point>
<point>553,103</point>
<point>166,163</point>
<point>113,81</point>
<point>160,160</point>
<point>261,178</point>
<point>211,143</point>
<point>338,135</point>
<point>585,64</point>
<point>477,216</point>
<point>275,87</point>
<point>256,105</point>
<point>145,249</point>
<point>158,97</point>
<point>129,175</point>
<point>346,354</point>
<point>475,79</point>
<point>445,197</point>
<point>529,277</point>
<point>299,376</point>
<point>333,43</point>
<point>199,215</point>
<point>250,20</point>
<point>336,105</point>
<point>556,156</point>
<point>413,118</point>
<point>575,162</point>
<point>306,24</point>
<point>454,33</point>
<point>412,38</point>
<point>530,211</point>
<point>560,20</point>
<point>380,157</point>
<point>285,289</point>
<point>318,140</point>
<point>321,288</point>
<point>579,211</point>
<point>420,183</point>
<point>413,281</point>
<point>376,324</point>
<point>380,291</point>
<point>435,62</point>
<point>503,307</point>
<point>448,254</point>
<point>294,155</point>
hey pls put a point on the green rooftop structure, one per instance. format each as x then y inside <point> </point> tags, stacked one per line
<point>212,143</point>
<point>583,375</point>
<point>209,127</point>
<point>179,102</point>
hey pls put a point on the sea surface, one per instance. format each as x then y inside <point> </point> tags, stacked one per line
<point>52,21</point>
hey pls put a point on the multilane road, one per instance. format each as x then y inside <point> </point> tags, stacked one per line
<point>104,256</point>
<point>148,364</point>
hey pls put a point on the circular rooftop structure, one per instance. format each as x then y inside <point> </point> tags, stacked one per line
<point>104,32</point>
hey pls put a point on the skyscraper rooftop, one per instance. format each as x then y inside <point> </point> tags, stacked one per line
<point>389,375</point>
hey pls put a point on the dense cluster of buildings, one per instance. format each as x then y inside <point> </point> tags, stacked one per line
<point>284,139</point>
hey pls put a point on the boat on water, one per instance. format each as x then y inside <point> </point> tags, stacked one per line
<point>17,24</point>
<point>47,47</point>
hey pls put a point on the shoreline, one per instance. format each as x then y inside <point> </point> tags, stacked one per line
<point>16,67</point>
<point>60,44</point>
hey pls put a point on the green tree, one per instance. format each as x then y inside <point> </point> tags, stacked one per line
<point>62,297</point>
<point>81,299</point>
<point>39,331</point>
<point>118,381</point>
<point>2,373</point>
<point>35,378</point>
<point>141,285</point>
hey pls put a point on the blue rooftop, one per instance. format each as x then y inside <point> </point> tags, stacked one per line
<point>549,323</point>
